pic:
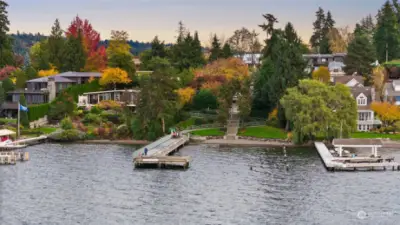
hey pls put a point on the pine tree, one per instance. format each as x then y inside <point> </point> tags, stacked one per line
<point>360,56</point>
<point>198,58</point>
<point>319,24</point>
<point>55,45</point>
<point>387,35</point>
<point>329,24</point>
<point>31,73</point>
<point>74,54</point>
<point>216,51</point>
<point>21,79</point>
<point>158,48</point>
<point>23,115</point>
<point>227,51</point>
<point>6,55</point>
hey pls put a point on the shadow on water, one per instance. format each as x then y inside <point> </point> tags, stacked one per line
<point>96,184</point>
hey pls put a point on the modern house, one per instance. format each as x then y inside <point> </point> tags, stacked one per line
<point>391,92</point>
<point>334,62</point>
<point>364,96</point>
<point>350,81</point>
<point>127,97</point>
<point>45,89</point>
<point>252,60</point>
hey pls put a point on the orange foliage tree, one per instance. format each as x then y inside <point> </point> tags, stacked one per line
<point>96,55</point>
<point>50,72</point>
<point>185,95</point>
<point>114,76</point>
<point>220,71</point>
<point>387,113</point>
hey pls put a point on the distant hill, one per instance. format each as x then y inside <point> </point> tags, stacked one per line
<point>23,41</point>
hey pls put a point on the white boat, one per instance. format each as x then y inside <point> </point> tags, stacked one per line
<point>6,142</point>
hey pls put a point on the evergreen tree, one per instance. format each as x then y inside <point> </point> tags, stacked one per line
<point>56,45</point>
<point>6,55</point>
<point>21,79</point>
<point>329,24</point>
<point>387,35</point>
<point>31,73</point>
<point>360,56</point>
<point>158,48</point>
<point>216,51</point>
<point>8,85</point>
<point>198,58</point>
<point>23,115</point>
<point>227,51</point>
<point>318,34</point>
<point>74,54</point>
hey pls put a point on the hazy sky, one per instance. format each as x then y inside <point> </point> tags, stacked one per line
<point>144,19</point>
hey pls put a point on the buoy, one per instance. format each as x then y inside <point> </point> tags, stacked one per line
<point>251,168</point>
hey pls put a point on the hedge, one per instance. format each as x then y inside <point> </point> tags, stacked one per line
<point>79,89</point>
<point>36,112</point>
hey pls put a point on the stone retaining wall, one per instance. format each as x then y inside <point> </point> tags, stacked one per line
<point>39,123</point>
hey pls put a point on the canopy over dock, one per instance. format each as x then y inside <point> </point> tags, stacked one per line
<point>5,132</point>
<point>374,144</point>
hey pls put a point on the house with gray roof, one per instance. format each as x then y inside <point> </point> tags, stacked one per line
<point>391,92</point>
<point>364,96</point>
<point>45,89</point>
<point>349,81</point>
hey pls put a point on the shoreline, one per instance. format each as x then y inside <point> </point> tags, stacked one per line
<point>118,142</point>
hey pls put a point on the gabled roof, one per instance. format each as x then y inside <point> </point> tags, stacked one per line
<point>390,89</point>
<point>80,74</point>
<point>368,92</point>
<point>57,78</point>
<point>346,79</point>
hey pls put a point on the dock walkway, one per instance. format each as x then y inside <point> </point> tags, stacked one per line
<point>342,163</point>
<point>159,152</point>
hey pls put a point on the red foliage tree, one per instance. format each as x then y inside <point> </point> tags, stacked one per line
<point>96,55</point>
<point>6,72</point>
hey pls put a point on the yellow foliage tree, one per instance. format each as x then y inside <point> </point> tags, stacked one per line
<point>273,115</point>
<point>50,72</point>
<point>185,95</point>
<point>378,76</point>
<point>387,113</point>
<point>322,74</point>
<point>114,76</point>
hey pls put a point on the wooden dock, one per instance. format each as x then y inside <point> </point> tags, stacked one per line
<point>11,157</point>
<point>353,164</point>
<point>159,154</point>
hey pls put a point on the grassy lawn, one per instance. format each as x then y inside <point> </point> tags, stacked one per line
<point>46,130</point>
<point>263,132</point>
<point>208,132</point>
<point>5,120</point>
<point>375,135</point>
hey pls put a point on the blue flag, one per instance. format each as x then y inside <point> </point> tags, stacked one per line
<point>23,108</point>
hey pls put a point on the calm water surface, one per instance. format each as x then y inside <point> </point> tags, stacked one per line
<point>96,184</point>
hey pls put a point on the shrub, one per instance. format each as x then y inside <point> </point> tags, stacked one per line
<point>205,99</point>
<point>200,121</point>
<point>91,118</point>
<point>36,112</point>
<point>95,110</point>
<point>61,107</point>
<point>66,124</point>
<point>109,104</point>
<point>112,117</point>
<point>67,135</point>
<point>123,131</point>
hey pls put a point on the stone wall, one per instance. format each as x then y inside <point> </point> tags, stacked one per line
<point>39,123</point>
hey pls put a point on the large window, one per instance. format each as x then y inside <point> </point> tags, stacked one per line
<point>361,100</point>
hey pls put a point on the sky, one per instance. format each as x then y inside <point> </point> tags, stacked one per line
<point>144,19</point>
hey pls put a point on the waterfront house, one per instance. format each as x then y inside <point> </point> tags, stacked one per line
<point>391,92</point>
<point>334,62</point>
<point>127,97</point>
<point>364,96</point>
<point>44,89</point>
<point>252,60</point>
<point>349,81</point>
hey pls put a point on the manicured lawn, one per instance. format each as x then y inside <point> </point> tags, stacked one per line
<point>375,135</point>
<point>47,130</point>
<point>5,120</point>
<point>263,132</point>
<point>208,132</point>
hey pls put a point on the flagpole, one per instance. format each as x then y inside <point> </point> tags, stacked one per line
<point>19,106</point>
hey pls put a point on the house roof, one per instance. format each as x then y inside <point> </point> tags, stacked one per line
<point>57,78</point>
<point>369,92</point>
<point>80,74</point>
<point>347,79</point>
<point>27,92</point>
<point>5,132</point>
<point>390,89</point>
<point>112,91</point>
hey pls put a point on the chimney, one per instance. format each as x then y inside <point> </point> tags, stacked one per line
<point>51,86</point>
<point>373,94</point>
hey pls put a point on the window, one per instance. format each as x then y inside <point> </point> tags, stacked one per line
<point>361,100</point>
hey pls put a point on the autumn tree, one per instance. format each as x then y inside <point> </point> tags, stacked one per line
<point>50,72</point>
<point>322,74</point>
<point>119,54</point>
<point>387,113</point>
<point>39,55</point>
<point>114,76</point>
<point>185,95</point>
<point>339,39</point>
<point>378,78</point>
<point>56,45</point>
<point>96,58</point>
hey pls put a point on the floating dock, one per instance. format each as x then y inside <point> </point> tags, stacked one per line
<point>354,163</point>
<point>159,154</point>
<point>11,158</point>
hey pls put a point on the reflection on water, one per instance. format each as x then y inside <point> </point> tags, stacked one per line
<point>96,184</point>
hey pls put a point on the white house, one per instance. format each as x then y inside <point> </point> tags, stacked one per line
<point>128,97</point>
<point>349,81</point>
<point>364,96</point>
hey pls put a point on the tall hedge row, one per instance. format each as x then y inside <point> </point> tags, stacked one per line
<point>79,89</point>
<point>36,112</point>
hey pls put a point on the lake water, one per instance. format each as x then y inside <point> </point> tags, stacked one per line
<point>97,184</point>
